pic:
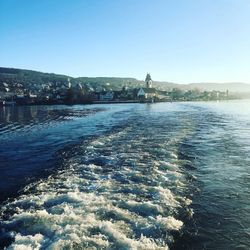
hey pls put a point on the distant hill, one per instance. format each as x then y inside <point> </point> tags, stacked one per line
<point>36,79</point>
<point>114,83</point>
<point>233,86</point>
<point>236,87</point>
<point>10,75</point>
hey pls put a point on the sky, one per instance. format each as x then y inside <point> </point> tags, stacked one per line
<point>181,41</point>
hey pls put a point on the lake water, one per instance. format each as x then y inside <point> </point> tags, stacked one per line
<point>129,176</point>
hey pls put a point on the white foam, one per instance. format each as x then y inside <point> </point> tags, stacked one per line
<point>85,207</point>
<point>169,223</point>
<point>29,242</point>
<point>166,197</point>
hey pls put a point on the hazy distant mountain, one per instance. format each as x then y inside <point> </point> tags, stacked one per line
<point>31,77</point>
<point>232,86</point>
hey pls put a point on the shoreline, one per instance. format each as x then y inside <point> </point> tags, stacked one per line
<point>115,102</point>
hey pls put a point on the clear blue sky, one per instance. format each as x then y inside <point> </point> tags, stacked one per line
<point>175,40</point>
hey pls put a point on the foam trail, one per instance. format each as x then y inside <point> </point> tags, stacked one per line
<point>114,192</point>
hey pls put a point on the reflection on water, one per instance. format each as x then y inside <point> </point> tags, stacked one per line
<point>30,136</point>
<point>136,176</point>
<point>14,119</point>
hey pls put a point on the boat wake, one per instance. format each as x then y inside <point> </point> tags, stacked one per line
<point>122,190</point>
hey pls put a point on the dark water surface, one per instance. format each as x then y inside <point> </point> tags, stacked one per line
<point>131,176</point>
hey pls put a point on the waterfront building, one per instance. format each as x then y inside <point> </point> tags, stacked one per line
<point>107,96</point>
<point>148,93</point>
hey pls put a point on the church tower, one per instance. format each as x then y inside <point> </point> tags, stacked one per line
<point>148,81</point>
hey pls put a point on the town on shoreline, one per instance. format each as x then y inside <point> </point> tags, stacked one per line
<point>50,94</point>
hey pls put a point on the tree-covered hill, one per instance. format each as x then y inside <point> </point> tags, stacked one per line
<point>35,79</point>
<point>23,76</point>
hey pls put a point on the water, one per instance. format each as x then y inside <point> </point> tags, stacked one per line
<point>131,176</point>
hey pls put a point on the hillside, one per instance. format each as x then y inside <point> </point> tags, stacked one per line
<point>34,79</point>
<point>10,75</point>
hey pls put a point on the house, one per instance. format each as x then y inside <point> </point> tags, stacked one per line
<point>9,101</point>
<point>4,87</point>
<point>163,96</point>
<point>107,96</point>
<point>33,96</point>
<point>144,94</point>
<point>148,93</point>
<point>94,96</point>
<point>20,99</point>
